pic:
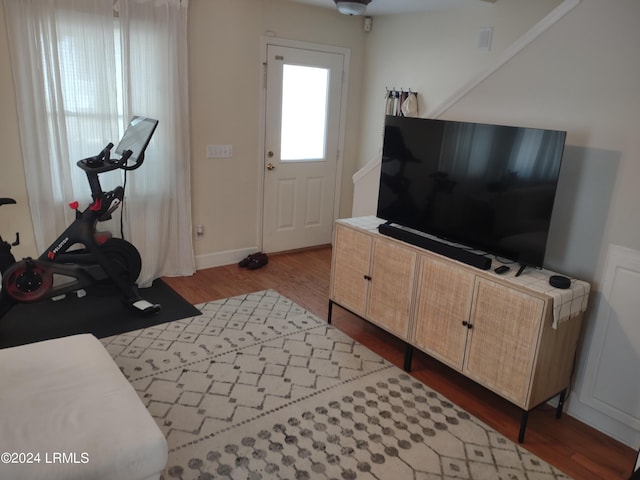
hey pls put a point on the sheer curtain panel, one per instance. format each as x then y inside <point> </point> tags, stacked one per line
<point>82,69</point>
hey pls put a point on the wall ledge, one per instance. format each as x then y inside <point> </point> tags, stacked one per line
<point>368,167</point>
<point>534,32</point>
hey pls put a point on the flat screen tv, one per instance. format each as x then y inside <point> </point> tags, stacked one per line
<point>485,187</point>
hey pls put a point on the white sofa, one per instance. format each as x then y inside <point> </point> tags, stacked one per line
<point>67,412</point>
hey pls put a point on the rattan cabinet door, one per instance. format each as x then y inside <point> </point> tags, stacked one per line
<point>503,340</point>
<point>443,306</point>
<point>351,263</point>
<point>392,278</point>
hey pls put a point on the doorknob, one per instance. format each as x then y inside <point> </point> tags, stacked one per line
<point>270,166</point>
<point>270,154</point>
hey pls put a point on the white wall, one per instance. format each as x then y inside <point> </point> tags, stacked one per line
<point>435,54</point>
<point>225,81</point>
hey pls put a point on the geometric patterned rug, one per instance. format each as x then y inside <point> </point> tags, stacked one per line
<point>259,388</point>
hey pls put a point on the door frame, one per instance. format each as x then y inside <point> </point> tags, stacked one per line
<point>283,42</point>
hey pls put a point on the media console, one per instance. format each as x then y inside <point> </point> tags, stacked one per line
<point>516,336</point>
<point>452,251</point>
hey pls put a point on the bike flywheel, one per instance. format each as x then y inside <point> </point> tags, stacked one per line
<point>27,281</point>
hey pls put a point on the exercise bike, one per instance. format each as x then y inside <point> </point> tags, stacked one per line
<point>101,258</point>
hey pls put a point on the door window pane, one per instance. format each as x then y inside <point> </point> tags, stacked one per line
<point>304,113</point>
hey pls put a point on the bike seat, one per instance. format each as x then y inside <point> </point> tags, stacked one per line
<point>6,201</point>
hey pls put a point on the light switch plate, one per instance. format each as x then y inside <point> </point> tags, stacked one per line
<point>219,151</point>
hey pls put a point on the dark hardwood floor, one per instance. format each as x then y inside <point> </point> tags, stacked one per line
<point>575,448</point>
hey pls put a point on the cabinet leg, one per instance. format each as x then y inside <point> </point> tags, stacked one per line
<point>408,357</point>
<point>523,426</point>
<point>563,397</point>
<point>330,312</point>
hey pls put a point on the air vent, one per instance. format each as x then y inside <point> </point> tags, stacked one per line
<point>484,39</point>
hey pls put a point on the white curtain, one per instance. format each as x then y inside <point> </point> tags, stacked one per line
<point>82,69</point>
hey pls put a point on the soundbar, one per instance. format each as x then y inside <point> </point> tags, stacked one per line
<point>451,251</point>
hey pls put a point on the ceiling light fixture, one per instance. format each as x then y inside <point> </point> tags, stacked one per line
<point>357,7</point>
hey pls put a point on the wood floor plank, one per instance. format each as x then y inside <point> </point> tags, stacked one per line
<point>575,448</point>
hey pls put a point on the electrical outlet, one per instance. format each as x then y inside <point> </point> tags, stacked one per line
<point>219,151</point>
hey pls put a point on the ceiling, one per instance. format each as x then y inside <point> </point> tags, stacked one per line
<point>389,7</point>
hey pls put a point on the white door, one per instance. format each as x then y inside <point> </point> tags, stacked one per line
<point>302,130</point>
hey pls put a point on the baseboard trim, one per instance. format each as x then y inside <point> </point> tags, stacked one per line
<point>220,259</point>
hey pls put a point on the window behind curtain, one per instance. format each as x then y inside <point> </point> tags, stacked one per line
<point>73,98</point>
<point>80,95</point>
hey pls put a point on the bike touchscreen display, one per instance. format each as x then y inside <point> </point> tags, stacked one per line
<point>137,136</point>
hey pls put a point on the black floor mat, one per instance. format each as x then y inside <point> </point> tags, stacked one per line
<point>100,312</point>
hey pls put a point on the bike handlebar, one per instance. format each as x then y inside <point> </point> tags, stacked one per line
<point>104,163</point>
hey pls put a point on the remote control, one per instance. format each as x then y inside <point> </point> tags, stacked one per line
<point>502,269</point>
